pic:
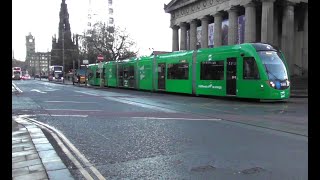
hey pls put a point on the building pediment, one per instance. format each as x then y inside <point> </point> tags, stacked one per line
<point>175,4</point>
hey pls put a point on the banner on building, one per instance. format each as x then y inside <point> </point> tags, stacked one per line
<point>210,35</point>
<point>188,39</point>
<point>199,37</point>
<point>225,26</point>
<point>240,37</point>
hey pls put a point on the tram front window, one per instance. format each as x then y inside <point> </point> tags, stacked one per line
<point>275,68</point>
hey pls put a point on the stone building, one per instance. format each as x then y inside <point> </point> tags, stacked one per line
<point>65,44</point>
<point>211,23</point>
<point>36,62</point>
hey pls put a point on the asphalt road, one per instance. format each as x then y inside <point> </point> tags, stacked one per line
<point>128,134</point>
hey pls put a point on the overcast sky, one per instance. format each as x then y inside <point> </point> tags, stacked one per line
<point>144,20</point>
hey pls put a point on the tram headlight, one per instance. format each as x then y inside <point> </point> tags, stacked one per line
<point>53,78</point>
<point>271,83</point>
<point>288,82</point>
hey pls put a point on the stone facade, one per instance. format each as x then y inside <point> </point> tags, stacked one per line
<point>37,62</point>
<point>282,23</point>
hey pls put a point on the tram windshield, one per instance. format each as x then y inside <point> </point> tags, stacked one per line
<point>274,66</point>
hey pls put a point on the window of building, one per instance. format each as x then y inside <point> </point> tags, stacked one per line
<point>111,20</point>
<point>212,70</point>
<point>110,2</point>
<point>110,11</point>
<point>250,68</point>
<point>178,71</point>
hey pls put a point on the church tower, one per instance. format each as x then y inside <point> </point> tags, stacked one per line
<point>30,47</point>
<point>64,32</point>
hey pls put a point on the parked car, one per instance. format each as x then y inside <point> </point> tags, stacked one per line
<point>26,77</point>
<point>79,77</point>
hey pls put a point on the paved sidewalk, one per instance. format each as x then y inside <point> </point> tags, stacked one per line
<point>33,157</point>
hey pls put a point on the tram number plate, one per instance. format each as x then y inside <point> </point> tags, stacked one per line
<point>283,84</point>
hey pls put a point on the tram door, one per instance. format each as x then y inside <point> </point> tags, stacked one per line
<point>162,76</point>
<point>231,76</point>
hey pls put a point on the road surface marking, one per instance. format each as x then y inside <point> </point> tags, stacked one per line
<point>36,90</point>
<point>16,87</point>
<point>190,119</point>
<point>63,115</point>
<point>57,135</point>
<point>72,110</point>
<point>92,94</point>
<point>140,104</point>
<point>67,102</point>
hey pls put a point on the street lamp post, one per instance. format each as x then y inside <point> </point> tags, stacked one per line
<point>48,65</point>
<point>63,55</point>
<point>39,66</point>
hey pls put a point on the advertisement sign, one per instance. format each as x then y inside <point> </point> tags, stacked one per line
<point>199,37</point>
<point>224,28</point>
<point>188,39</point>
<point>241,21</point>
<point>210,35</point>
<point>85,61</point>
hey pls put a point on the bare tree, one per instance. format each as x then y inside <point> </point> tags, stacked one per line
<point>112,43</point>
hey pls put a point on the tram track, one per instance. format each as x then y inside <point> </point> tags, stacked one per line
<point>179,110</point>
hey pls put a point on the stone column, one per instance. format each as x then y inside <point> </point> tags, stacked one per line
<point>305,42</point>
<point>193,34</point>
<point>183,36</point>
<point>267,21</point>
<point>175,38</point>
<point>217,37</point>
<point>275,27</point>
<point>250,23</point>
<point>233,26</point>
<point>287,39</point>
<point>204,32</point>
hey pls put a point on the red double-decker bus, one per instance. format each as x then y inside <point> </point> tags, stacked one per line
<point>16,73</point>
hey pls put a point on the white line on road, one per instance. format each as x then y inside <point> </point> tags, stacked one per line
<point>63,115</point>
<point>190,119</point>
<point>140,104</point>
<point>72,110</point>
<point>36,90</point>
<point>57,136</point>
<point>68,102</point>
<point>92,94</point>
<point>16,87</point>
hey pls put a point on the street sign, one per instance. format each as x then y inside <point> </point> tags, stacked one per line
<point>100,57</point>
<point>85,61</point>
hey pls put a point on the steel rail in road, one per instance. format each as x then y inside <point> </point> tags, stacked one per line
<point>204,115</point>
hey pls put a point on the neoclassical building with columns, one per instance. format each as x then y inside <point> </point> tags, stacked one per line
<point>211,23</point>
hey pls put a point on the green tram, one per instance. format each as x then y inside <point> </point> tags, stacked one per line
<point>249,70</point>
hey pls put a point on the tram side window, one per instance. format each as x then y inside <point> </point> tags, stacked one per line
<point>131,72</point>
<point>178,71</point>
<point>97,74</point>
<point>212,70</point>
<point>103,72</point>
<point>250,68</point>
